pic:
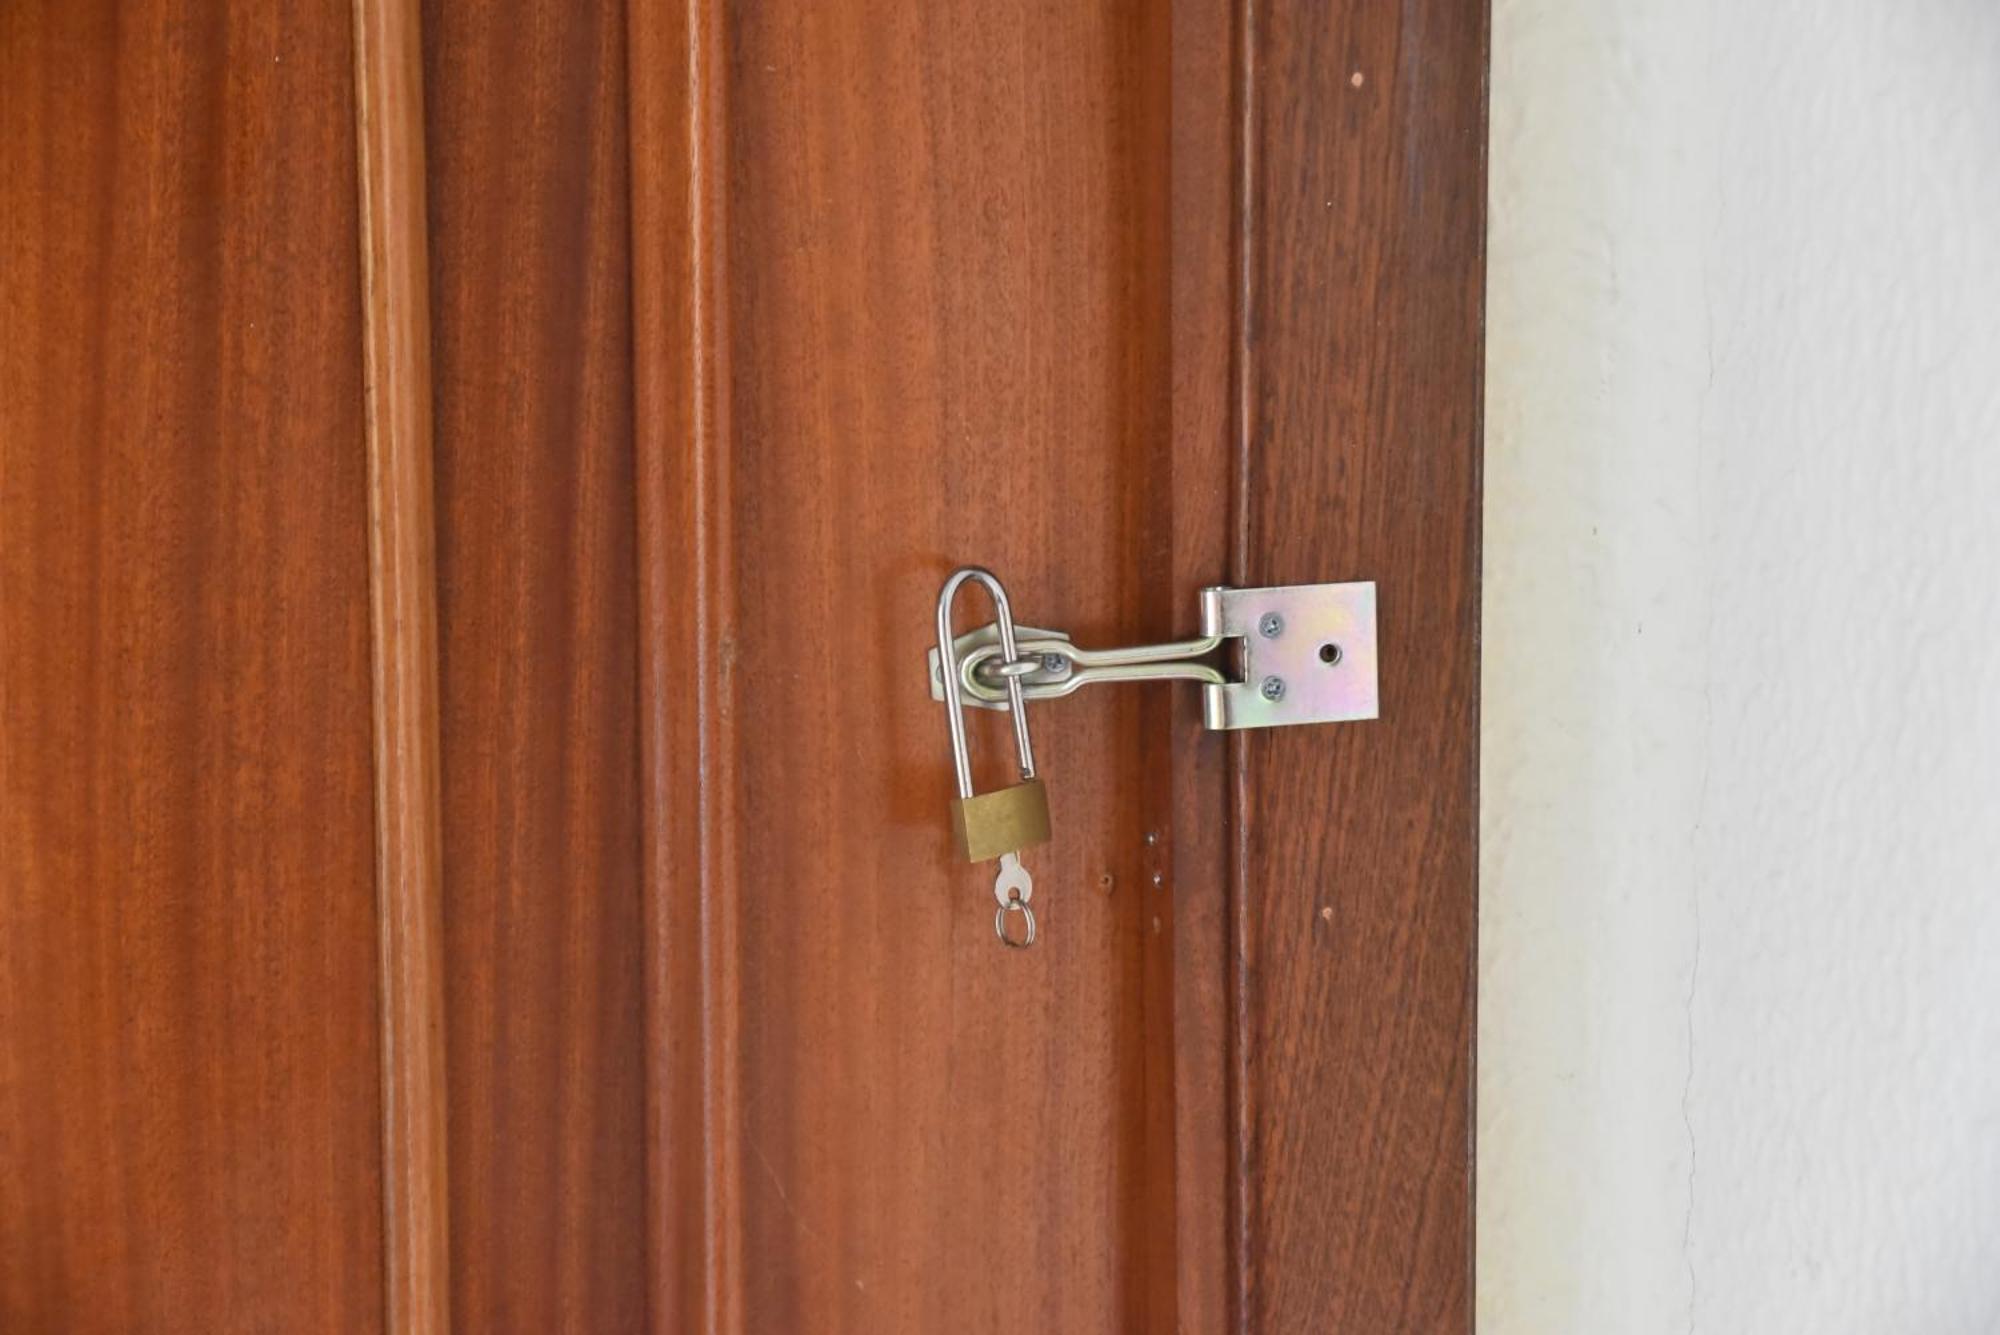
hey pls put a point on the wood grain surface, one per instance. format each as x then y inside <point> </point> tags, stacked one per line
<point>396,335</point>
<point>677,70</point>
<point>746,325</point>
<point>1205,286</point>
<point>1358,441</point>
<point>1120,305</point>
<point>190,1134</point>
<point>943,338</point>
<point>525,116</point>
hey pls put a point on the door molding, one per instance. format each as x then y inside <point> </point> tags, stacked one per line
<point>402,590</point>
<point>681,423</point>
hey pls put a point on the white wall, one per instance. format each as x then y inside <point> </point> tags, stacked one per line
<point>1740,961</point>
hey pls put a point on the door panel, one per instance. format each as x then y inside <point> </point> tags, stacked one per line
<point>189,1112</point>
<point>537,613</point>
<point>947,279</point>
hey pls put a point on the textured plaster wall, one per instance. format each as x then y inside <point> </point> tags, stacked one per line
<point>1740,962</point>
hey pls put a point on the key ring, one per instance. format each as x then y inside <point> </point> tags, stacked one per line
<point>1015,904</point>
<point>1013,888</point>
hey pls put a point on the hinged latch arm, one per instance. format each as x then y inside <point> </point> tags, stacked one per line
<point>1307,656</point>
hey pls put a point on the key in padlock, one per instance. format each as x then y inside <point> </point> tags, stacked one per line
<point>1001,823</point>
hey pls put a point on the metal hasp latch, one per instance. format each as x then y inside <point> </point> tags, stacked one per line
<point>1307,655</point>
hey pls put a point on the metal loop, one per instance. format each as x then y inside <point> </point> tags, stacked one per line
<point>1027,938</point>
<point>1020,667</point>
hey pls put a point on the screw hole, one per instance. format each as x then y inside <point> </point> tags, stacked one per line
<point>1329,654</point>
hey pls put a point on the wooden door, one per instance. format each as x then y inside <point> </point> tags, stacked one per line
<point>473,483</point>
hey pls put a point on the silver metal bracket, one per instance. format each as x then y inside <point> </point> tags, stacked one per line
<point>1307,656</point>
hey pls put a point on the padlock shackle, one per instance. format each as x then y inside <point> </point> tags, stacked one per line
<point>1003,617</point>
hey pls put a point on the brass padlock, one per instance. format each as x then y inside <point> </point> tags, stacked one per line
<point>1001,823</point>
<point>1005,820</point>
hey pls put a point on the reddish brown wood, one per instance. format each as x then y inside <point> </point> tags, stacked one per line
<point>748,322</point>
<point>1204,287</point>
<point>1358,437</point>
<point>190,1129</point>
<point>687,641</point>
<point>978,305</point>
<point>940,334</point>
<point>388,93</point>
<point>537,605</point>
